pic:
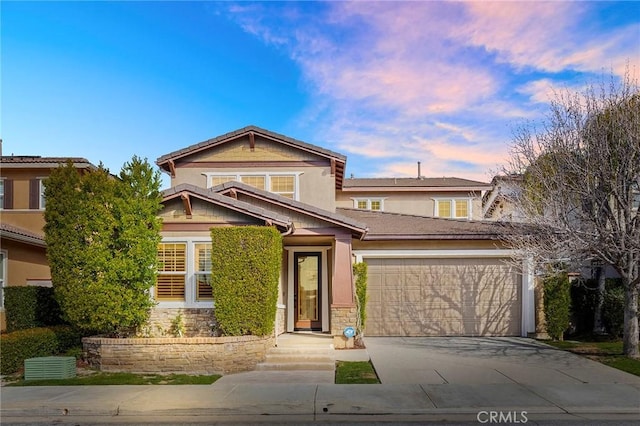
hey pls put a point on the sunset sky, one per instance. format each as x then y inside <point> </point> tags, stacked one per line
<point>385,83</point>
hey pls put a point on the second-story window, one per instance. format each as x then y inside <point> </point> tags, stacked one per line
<point>255,181</point>
<point>284,184</point>
<point>219,180</point>
<point>453,208</point>
<point>1,193</point>
<point>36,194</point>
<point>369,203</point>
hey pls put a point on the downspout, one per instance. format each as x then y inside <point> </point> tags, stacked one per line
<point>290,230</point>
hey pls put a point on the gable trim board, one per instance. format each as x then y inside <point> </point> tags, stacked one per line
<point>513,317</point>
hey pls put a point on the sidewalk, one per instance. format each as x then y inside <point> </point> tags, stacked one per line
<point>423,380</point>
<point>280,402</point>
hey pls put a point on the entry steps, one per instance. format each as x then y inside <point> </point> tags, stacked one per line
<point>300,351</point>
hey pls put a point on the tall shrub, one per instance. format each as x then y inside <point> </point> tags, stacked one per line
<point>245,271</point>
<point>557,304</point>
<point>613,310</point>
<point>360,272</point>
<point>102,234</point>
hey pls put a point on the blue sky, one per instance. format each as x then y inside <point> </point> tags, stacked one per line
<point>385,83</point>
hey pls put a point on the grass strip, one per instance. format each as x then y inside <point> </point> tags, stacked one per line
<point>606,352</point>
<point>103,378</point>
<point>356,372</point>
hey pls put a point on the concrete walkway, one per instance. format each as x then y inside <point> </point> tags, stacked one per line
<point>495,379</point>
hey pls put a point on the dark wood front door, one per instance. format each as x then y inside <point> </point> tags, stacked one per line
<point>307,295</point>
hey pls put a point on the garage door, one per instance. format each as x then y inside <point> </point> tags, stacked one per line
<point>443,297</point>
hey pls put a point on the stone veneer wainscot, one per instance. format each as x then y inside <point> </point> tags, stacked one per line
<point>194,355</point>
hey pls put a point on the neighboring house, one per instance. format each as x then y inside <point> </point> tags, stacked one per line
<point>23,259</point>
<point>427,276</point>
<point>499,202</point>
<point>447,197</point>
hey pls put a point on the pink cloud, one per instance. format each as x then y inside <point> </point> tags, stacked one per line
<point>406,75</point>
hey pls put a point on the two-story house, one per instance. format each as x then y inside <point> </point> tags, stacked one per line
<point>427,275</point>
<point>23,259</point>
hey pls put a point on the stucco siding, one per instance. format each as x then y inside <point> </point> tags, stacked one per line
<point>420,203</point>
<point>30,220</point>
<point>25,263</point>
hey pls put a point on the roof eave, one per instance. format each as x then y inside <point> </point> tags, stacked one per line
<point>414,188</point>
<point>413,237</point>
<point>34,241</point>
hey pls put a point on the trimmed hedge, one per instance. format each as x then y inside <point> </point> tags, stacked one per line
<point>28,307</point>
<point>35,342</point>
<point>245,271</point>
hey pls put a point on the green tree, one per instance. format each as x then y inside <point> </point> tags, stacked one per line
<point>102,234</point>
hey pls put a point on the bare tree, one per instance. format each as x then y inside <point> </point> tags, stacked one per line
<point>581,185</point>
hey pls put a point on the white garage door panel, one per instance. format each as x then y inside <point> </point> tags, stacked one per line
<point>443,297</point>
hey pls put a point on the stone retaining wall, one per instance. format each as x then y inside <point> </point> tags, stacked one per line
<point>195,355</point>
<point>197,322</point>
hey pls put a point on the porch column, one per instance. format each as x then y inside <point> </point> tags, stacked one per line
<point>343,307</point>
<point>342,282</point>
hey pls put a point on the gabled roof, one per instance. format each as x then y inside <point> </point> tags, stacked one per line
<point>356,226</point>
<point>497,193</point>
<point>15,233</point>
<point>339,159</point>
<point>396,226</point>
<point>414,184</point>
<point>38,162</point>
<point>186,190</point>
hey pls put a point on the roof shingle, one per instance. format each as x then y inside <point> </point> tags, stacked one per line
<point>396,226</point>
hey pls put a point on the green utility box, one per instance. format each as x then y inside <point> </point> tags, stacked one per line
<point>50,367</point>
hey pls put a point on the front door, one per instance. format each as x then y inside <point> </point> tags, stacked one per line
<point>307,296</point>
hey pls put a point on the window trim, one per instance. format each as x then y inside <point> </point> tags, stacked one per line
<point>3,280</point>
<point>237,177</point>
<point>368,200</point>
<point>453,201</point>
<point>42,201</point>
<point>197,272</point>
<point>190,292</point>
<point>174,273</point>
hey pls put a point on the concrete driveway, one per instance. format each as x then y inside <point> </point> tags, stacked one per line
<point>484,361</point>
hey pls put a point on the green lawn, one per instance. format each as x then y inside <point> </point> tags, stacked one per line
<point>605,351</point>
<point>358,372</point>
<point>102,378</point>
